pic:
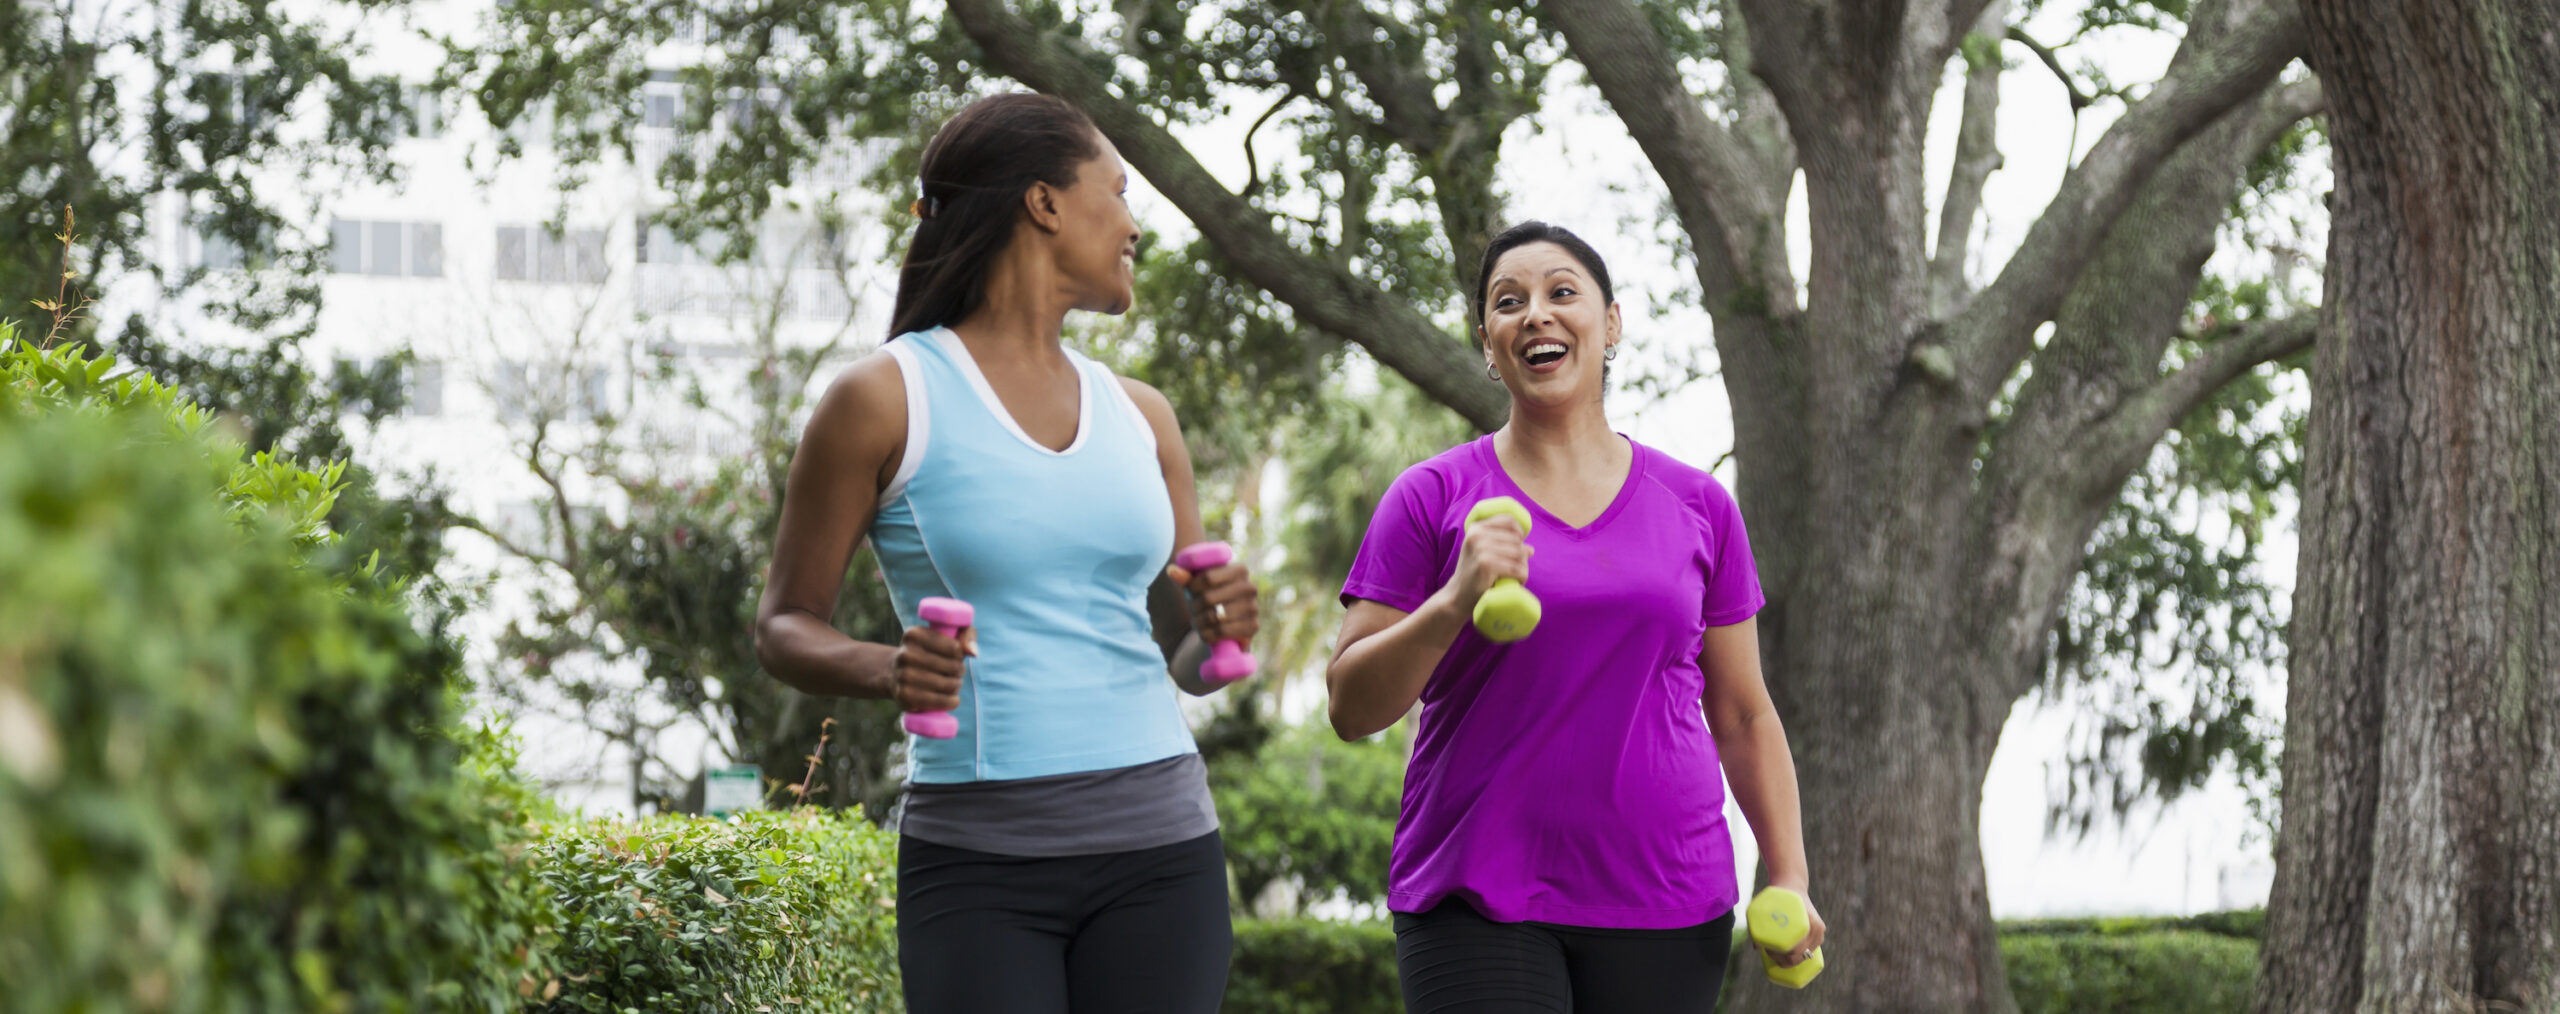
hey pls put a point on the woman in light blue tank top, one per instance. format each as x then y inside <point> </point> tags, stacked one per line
<point>1059,851</point>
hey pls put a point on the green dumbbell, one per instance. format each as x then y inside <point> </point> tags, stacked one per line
<point>1779,921</point>
<point>1507,611</point>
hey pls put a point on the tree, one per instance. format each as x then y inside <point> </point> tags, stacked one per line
<point>116,110</point>
<point>1916,557</point>
<point>120,109</point>
<point>656,519</point>
<point>2418,863</point>
<point>1925,455</point>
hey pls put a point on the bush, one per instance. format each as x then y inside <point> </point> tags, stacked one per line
<point>228,777</point>
<point>1310,809</point>
<point>2137,973</point>
<point>1309,966</point>
<point>787,911</point>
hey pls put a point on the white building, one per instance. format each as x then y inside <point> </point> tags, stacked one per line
<point>534,313</point>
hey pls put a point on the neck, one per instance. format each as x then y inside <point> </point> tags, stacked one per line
<point>1025,310</point>
<point>1558,437</point>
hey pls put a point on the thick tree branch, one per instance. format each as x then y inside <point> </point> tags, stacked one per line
<point>1721,197</point>
<point>1977,156</point>
<point>1401,88</point>
<point>2228,55</point>
<point>1758,123</point>
<point>2148,416</point>
<point>1322,295</point>
<point>2098,400</point>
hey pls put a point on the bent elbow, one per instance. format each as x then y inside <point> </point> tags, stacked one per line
<point>767,652</point>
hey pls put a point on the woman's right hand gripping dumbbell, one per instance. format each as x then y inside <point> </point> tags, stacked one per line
<point>929,665</point>
<point>1494,548</point>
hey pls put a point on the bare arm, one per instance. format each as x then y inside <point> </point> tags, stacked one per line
<point>848,452</point>
<point>1753,743</point>
<point>1385,654</point>
<point>1223,603</point>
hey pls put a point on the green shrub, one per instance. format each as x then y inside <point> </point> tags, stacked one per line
<point>788,911</point>
<point>1310,966</point>
<point>229,779</point>
<point>2156,972</point>
<point>1309,808</point>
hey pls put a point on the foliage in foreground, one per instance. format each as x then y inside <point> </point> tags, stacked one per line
<point>231,777</point>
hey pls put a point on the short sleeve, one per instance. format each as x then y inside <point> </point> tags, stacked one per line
<point>1733,579</point>
<point>1400,558</point>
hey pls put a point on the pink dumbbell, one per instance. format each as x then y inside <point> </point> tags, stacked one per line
<point>947,616</point>
<point>1228,661</point>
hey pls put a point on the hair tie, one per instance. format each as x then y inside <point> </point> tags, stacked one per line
<point>925,207</point>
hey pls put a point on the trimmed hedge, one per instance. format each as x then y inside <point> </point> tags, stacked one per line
<point>2130,973</point>
<point>229,773</point>
<point>784,910</point>
<point>1309,966</point>
<point>2143,965</point>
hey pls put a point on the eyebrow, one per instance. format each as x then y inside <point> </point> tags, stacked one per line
<point>1510,279</point>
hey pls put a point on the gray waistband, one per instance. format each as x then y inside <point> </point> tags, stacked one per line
<point>1085,813</point>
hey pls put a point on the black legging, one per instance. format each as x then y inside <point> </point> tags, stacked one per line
<point>1452,960</point>
<point>1142,932</point>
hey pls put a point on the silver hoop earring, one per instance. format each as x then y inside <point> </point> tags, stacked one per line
<point>1489,374</point>
<point>1611,355</point>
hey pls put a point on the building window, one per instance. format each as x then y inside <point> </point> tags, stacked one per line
<point>536,254</point>
<point>425,388</point>
<point>395,249</point>
<point>218,252</point>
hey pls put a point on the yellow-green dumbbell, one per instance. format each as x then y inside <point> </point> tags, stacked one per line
<point>1779,921</point>
<point>1506,612</point>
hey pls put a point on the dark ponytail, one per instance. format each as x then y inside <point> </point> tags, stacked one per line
<point>974,173</point>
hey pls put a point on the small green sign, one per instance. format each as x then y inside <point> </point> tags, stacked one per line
<point>733,789</point>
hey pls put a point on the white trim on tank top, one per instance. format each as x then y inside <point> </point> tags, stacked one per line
<point>959,352</point>
<point>1120,393</point>
<point>919,420</point>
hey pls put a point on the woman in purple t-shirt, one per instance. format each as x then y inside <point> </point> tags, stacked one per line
<point>1562,845</point>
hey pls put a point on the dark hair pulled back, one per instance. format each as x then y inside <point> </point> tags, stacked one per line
<point>974,173</point>
<point>1534,231</point>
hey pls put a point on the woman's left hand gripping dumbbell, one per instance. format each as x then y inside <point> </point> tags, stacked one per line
<point>1225,607</point>
<point>931,657</point>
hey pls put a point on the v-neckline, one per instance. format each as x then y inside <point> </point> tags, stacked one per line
<point>959,352</point>
<point>1547,518</point>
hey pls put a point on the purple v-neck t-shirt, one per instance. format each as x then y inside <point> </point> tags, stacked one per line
<point>1568,777</point>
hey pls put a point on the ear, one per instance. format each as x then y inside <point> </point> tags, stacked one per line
<point>1617,323</point>
<point>1040,207</point>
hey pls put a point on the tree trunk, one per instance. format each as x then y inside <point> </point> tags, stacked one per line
<point>1894,720</point>
<point>2420,844</point>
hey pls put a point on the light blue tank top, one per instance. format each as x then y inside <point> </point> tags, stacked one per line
<point>1054,549</point>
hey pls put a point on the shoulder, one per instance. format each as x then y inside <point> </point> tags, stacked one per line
<point>872,388</point>
<point>1151,403</point>
<point>1157,411</point>
<point>1442,478</point>
<point>1697,489</point>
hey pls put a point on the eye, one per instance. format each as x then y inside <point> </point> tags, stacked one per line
<point>1561,292</point>
<point>1504,302</point>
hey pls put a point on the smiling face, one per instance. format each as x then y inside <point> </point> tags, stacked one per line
<point>1096,242</point>
<point>1547,327</point>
